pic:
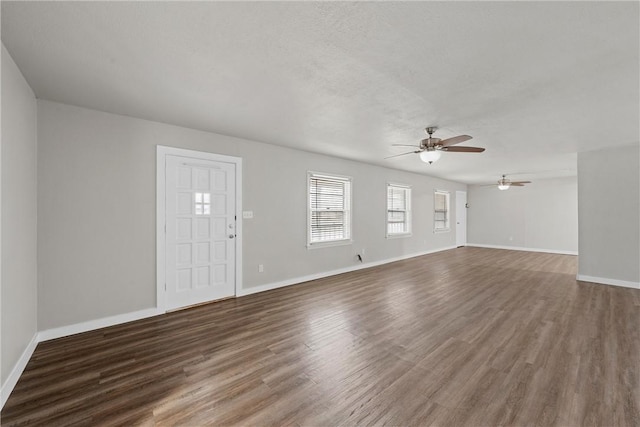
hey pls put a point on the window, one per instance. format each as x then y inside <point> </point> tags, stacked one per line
<point>203,203</point>
<point>441,211</point>
<point>329,209</point>
<point>398,210</point>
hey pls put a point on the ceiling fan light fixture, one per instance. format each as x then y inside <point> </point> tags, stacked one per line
<point>504,186</point>
<point>430,156</point>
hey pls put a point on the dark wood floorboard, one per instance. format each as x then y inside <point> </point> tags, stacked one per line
<point>466,337</point>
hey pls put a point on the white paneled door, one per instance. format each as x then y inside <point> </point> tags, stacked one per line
<point>461,218</point>
<point>200,231</point>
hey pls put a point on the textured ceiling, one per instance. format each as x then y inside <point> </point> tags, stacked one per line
<point>534,83</point>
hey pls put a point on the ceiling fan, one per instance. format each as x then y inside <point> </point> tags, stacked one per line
<point>505,184</point>
<point>430,149</point>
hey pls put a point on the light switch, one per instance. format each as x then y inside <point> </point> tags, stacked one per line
<point>247,214</point>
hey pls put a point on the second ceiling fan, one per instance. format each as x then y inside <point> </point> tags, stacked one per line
<point>430,149</point>
<point>505,184</point>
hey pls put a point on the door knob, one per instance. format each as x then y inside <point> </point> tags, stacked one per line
<point>231,236</point>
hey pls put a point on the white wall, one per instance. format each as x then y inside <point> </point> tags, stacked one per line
<point>542,215</point>
<point>97,211</point>
<point>19,279</point>
<point>608,198</point>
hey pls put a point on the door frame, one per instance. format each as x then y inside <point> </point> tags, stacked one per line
<point>161,174</point>
<point>458,194</point>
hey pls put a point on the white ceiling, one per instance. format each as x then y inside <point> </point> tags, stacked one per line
<point>533,82</point>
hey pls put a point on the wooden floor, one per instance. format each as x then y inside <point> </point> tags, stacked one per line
<point>471,336</point>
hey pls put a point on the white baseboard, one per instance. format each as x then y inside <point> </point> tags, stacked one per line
<point>606,281</point>
<point>17,370</point>
<point>296,280</point>
<point>519,248</point>
<point>90,325</point>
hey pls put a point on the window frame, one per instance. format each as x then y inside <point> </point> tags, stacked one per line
<point>348,203</point>
<point>447,227</point>
<point>408,213</point>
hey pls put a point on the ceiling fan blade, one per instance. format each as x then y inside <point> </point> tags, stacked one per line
<point>520,182</point>
<point>455,140</point>
<point>405,145</point>
<point>403,154</point>
<point>489,185</point>
<point>513,184</point>
<point>463,149</point>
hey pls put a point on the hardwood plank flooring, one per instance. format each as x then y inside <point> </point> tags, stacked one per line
<point>470,336</point>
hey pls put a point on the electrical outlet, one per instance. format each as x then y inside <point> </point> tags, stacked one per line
<point>260,268</point>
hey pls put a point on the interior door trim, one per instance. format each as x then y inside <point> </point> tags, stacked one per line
<point>161,257</point>
<point>465,214</point>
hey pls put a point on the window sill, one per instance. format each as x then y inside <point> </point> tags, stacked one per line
<point>319,245</point>
<point>398,235</point>
<point>443,230</point>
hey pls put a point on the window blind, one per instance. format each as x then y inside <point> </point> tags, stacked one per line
<point>329,205</point>
<point>441,211</point>
<point>398,209</point>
